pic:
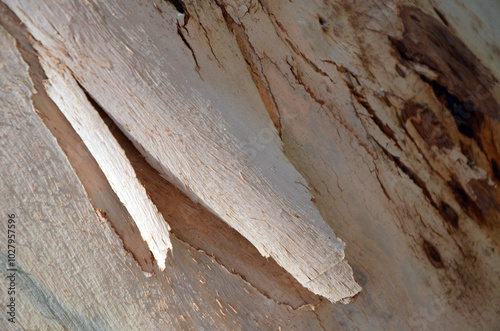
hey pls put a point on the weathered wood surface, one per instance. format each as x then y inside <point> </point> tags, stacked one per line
<point>73,270</point>
<point>192,134</point>
<point>388,110</point>
<point>111,159</point>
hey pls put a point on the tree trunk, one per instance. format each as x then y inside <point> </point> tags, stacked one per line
<point>189,165</point>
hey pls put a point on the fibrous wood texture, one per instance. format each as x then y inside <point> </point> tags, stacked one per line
<point>191,135</point>
<point>73,271</point>
<point>269,124</point>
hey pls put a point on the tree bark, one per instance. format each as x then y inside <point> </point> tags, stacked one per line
<point>189,165</point>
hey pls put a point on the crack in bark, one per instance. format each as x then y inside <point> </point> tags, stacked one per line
<point>298,77</point>
<point>254,62</point>
<point>362,100</point>
<point>205,33</point>
<point>411,174</point>
<point>180,6</point>
<point>184,40</point>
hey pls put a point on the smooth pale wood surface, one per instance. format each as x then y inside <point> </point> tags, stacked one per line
<point>73,270</point>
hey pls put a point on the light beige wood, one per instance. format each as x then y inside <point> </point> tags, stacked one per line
<point>387,111</point>
<point>73,272</point>
<point>196,140</point>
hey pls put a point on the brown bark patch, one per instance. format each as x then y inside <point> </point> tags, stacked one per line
<point>429,42</point>
<point>448,214</point>
<point>486,196</point>
<point>427,124</point>
<point>467,203</point>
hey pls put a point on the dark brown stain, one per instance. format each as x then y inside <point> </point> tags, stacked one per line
<point>427,124</point>
<point>482,204</point>
<point>428,41</point>
<point>463,84</point>
<point>468,122</point>
<point>487,196</point>
<point>448,214</point>
<point>496,169</point>
<point>467,203</point>
<point>433,254</point>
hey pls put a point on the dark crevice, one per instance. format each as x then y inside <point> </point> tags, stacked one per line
<point>360,98</point>
<point>467,120</point>
<point>348,77</point>
<point>298,77</point>
<point>412,175</point>
<point>383,186</point>
<point>441,16</point>
<point>496,169</point>
<point>184,40</point>
<point>466,202</point>
<point>254,63</point>
<point>323,23</point>
<point>448,214</point>
<point>205,33</point>
<point>181,8</point>
<point>400,71</point>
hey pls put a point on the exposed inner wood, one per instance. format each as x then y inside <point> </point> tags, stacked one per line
<point>249,192</point>
<point>72,269</point>
<point>188,220</point>
<point>194,224</point>
<point>95,183</point>
<point>389,112</point>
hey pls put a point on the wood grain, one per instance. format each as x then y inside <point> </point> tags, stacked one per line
<point>73,272</point>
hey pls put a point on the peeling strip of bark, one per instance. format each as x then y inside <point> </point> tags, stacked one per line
<point>85,167</point>
<point>202,230</point>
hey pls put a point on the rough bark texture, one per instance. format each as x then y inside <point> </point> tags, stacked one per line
<point>254,128</point>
